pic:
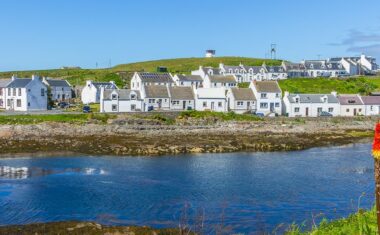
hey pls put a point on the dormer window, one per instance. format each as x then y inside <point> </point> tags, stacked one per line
<point>311,66</point>
<point>351,101</point>
<point>297,100</point>
<point>230,71</point>
<point>133,96</point>
<point>114,96</point>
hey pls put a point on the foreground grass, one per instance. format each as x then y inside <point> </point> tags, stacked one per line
<point>362,85</point>
<point>61,118</point>
<point>363,222</point>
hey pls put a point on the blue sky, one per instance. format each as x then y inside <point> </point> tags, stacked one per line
<point>40,34</point>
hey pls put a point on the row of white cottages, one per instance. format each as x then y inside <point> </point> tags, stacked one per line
<point>31,94</point>
<point>158,92</point>
<point>333,67</point>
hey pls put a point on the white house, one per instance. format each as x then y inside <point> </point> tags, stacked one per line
<point>311,105</point>
<point>3,89</point>
<point>182,98</point>
<point>323,68</point>
<point>60,90</point>
<point>120,101</point>
<point>274,72</point>
<point>372,105</point>
<point>294,70</point>
<point>203,71</point>
<point>268,95</point>
<point>141,79</point>
<point>217,81</point>
<point>210,99</point>
<point>357,65</point>
<point>156,97</point>
<point>91,91</point>
<point>351,105</point>
<point>241,100</point>
<point>25,94</point>
<point>188,80</point>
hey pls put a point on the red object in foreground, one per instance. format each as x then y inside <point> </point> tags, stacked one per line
<point>376,155</point>
<point>376,143</point>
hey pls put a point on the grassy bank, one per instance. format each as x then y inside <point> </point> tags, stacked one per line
<point>362,85</point>
<point>60,118</point>
<point>363,222</point>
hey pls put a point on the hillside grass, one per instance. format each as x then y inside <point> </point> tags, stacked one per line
<point>360,85</point>
<point>181,65</point>
<point>363,222</point>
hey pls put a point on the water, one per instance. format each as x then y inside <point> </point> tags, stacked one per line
<point>241,192</point>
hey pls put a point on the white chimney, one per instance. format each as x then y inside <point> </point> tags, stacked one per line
<point>34,77</point>
<point>14,77</point>
<point>334,93</point>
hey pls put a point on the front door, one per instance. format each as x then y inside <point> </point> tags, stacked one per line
<point>212,105</point>
<point>355,112</point>
<point>184,105</point>
<point>307,112</point>
<point>272,107</point>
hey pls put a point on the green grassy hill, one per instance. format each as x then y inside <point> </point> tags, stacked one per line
<point>182,65</point>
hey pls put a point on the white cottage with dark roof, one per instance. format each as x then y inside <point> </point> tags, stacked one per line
<point>91,91</point>
<point>156,97</point>
<point>372,105</point>
<point>241,100</point>
<point>188,80</point>
<point>182,98</point>
<point>311,105</point>
<point>60,90</point>
<point>269,97</point>
<point>351,105</point>
<point>25,94</point>
<point>120,101</point>
<point>141,79</point>
<point>210,99</point>
<point>3,92</point>
<point>218,81</point>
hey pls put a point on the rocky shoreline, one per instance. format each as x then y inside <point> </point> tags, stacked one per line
<point>141,137</point>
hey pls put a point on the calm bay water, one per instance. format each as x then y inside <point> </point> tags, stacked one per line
<point>243,192</point>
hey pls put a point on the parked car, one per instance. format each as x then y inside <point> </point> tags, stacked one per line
<point>150,108</point>
<point>325,114</point>
<point>260,114</point>
<point>63,105</point>
<point>86,109</point>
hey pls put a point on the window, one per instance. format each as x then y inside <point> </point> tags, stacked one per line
<point>28,104</point>
<point>151,101</point>
<point>114,96</point>
<point>240,103</point>
<point>319,110</point>
<point>277,105</point>
<point>331,110</point>
<point>371,108</point>
<point>204,104</point>
<point>175,102</point>
<point>360,110</point>
<point>215,84</point>
<point>133,107</point>
<point>264,105</point>
<point>133,96</point>
<point>9,91</point>
<point>220,104</point>
<point>18,103</point>
<point>277,95</point>
<point>19,91</point>
<point>14,91</point>
<point>296,110</point>
<point>1,91</point>
<point>114,107</point>
<point>297,100</point>
<point>263,95</point>
<point>181,83</point>
<point>8,102</point>
<point>42,92</point>
<point>347,110</point>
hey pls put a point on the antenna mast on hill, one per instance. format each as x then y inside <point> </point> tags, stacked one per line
<point>273,51</point>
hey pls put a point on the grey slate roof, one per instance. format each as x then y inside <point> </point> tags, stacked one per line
<point>267,86</point>
<point>294,66</point>
<point>243,93</point>
<point>106,85</point>
<point>156,77</point>
<point>350,100</point>
<point>190,78</point>
<point>222,79</point>
<point>181,93</point>
<point>314,65</point>
<point>256,69</point>
<point>274,69</point>
<point>371,100</point>
<point>57,83</point>
<point>4,82</point>
<point>156,91</point>
<point>215,71</point>
<point>313,98</point>
<point>124,94</point>
<point>19,83</point>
